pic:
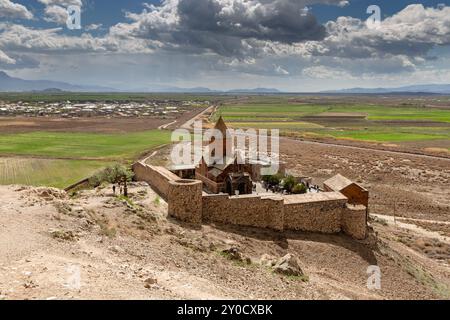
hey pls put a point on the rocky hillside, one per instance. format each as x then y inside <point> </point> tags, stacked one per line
<point>94,245</point>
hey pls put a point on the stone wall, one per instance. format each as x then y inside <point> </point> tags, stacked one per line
<point>321,212</point>
<point>246,210</point>
<point>185,200</point>
<point>209,184</point>
<point>354,221</point>
<point>157,177</point>
<point>325,212</point>
<point>316,212</point>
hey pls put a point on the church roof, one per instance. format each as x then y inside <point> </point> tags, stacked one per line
<point>215,172</point>
<point>221,126</point>
<point>227,161</point>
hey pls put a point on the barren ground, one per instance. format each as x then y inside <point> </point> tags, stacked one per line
<point>94,124</point>
<point>133,251</point>
<point>417,186</point>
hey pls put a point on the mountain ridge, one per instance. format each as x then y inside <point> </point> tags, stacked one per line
<point>423,88</point>
<point>12,84</point>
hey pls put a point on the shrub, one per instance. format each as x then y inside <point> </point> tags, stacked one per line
<point>96,179</point>
<point>275,179</point>
<point>299,188</point>
<point>289,183</point>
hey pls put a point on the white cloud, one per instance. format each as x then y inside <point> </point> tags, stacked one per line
<point>13,10</point>
<point>93,27</point>
<point>15,37</point>
<point>62,3</point>
<point>323,72</point>
<point>224,27</point>
<point>280,70</point>
<point>56,14</point>
<point>6,59</point>
<point>240,38</point>
<point>412,32</point>
<point>56,10</point>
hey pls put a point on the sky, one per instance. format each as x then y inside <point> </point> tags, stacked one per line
<point>291,45</point>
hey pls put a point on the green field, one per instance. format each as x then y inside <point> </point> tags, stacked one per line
<point>292,112</point>
<point>46,172</point>
<point>386,135</point>
<point>277,125</point>
<point>69,157</point>
<point>82,145</point>
<point>59,159</point>
<point>376,123</point>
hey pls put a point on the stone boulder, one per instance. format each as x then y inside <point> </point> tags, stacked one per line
<point>289,266</point>
<point>267,261</point>
<point>49,194</point>
<point>235,254</point>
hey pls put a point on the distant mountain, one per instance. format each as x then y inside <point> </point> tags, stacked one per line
<point>182,90</point>
<point>172,89</point>
<point>427,88</point>
<point>11,84</point>
<point>49,90</point>
<point>256,90</point>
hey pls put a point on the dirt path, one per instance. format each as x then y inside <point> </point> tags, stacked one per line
<point>381,151</point>
<point>189,124</point>
<point>399,222</point>
<point>164,126</point>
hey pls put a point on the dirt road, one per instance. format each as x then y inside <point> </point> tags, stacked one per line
<point>387,152</point>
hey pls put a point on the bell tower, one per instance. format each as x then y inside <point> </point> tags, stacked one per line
<point>222,127</point>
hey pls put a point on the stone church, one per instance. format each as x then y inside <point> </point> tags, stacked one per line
<point>226,176</point>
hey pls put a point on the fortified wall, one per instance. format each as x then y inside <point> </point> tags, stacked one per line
<point>326,212</point>
<point>157,177</point>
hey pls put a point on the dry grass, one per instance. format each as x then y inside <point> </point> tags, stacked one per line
<point>432,248</point>
<point>442,228</point>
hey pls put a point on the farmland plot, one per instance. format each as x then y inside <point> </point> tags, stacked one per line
<point>45,172</point>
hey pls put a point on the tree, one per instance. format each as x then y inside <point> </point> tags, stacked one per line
<point>119,174</point>
<point>115,174</point>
